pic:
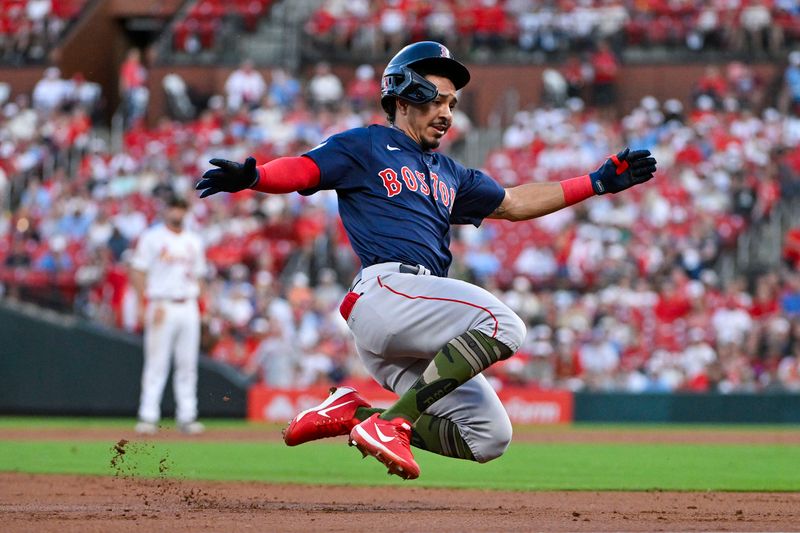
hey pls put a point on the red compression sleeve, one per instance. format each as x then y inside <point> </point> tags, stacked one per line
<point>577,189</point>
<point>287,174</point>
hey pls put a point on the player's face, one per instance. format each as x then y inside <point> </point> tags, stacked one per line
<point>428,123</point>
<point>174,217</point>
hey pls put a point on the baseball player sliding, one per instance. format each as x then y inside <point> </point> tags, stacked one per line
<point>167,266</point>
<point>420,334</point>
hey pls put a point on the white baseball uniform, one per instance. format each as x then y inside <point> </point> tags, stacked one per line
<point>173,263</point>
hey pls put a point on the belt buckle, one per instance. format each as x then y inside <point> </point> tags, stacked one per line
<point>409,269</point>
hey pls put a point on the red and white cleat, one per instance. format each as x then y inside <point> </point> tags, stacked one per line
<point>388,441</point>
<point>335,416</point>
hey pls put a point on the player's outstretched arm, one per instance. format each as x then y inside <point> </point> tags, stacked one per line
<point>619,172</point>
<point>283,175</point>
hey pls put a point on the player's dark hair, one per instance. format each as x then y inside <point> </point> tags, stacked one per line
<point>175,200</point>
<point>391,110</point>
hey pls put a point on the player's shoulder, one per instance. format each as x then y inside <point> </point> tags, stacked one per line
<point>364,133</point>
<point>159,230</point>
<point>153,229</point>
<point>360,134</point>
<point>194,235</point>
<point>346,138</point>
<point>151,235</point>
<point>378,129</point>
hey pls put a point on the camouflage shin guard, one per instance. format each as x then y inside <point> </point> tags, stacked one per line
<point>459,360</point>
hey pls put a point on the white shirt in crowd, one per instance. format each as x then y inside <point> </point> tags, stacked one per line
<point>244,86</point>
<point>38,10</point>
<point>130,223</point>
<point>731,325</point>
<point>174,262</point>
<point>696,358</point>
<point>51,91</point>
<point>326,88</point>
<point>599,356</point>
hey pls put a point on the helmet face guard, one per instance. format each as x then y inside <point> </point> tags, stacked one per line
<point>410,86</point>
<point>403,79</point>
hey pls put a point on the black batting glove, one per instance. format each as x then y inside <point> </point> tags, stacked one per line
<point>623,171</point>
<point>229,177</point>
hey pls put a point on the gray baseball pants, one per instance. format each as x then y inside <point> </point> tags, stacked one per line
<point>404,316</point>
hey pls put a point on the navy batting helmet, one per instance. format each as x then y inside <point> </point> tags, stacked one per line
<point>404,75</point>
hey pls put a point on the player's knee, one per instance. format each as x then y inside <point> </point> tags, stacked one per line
<point>497,445</point>
<point>512,332</point>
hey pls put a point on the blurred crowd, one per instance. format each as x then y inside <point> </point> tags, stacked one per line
<point>557,26</point>
<point>199,27</point>
<point>623,292</point>
<point>29,28</point>
<point>620,292</point>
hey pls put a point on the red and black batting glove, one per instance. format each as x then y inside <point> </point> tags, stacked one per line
<point>623,171</point>
<point>229,177</point>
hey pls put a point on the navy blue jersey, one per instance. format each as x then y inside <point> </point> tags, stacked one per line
<point>396,201</point>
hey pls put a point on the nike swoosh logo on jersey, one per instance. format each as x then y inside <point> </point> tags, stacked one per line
<point>324,412</point>
<point>381,436</point>
<point>391,148</point>
<point>320,145</point>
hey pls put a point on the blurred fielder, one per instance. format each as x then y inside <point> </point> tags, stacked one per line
<point>167,267</point>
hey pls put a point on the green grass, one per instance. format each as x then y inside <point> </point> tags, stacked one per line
<point>526,466</point>
<point>62,422</point>
<point>67,422</point>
